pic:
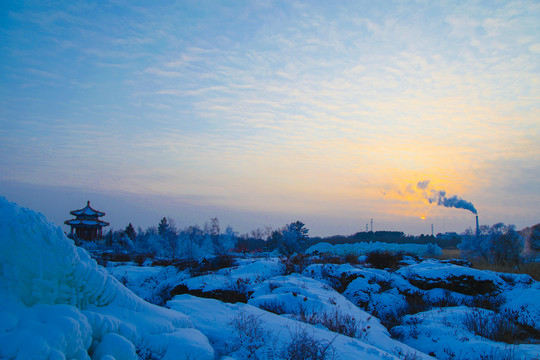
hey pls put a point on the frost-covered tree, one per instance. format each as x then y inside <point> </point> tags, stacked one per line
<point>476,246</point>
<point>213,229</point>
<point>122,241</point>
<point>293,235</point>
<point>148,241</point>
<point>117,239</point>
<point>227,241</point>
<point>535,237</point>
<point>499,243</point>
<point>506,244</point>
<point>257,234</point>
<point>191,241</point>
<point>216,243</point>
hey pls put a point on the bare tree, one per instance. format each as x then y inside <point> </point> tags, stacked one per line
<point>506,244</point>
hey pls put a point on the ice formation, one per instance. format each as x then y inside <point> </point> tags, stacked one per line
<point>57,303</point>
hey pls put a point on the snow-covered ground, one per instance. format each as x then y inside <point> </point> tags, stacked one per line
<point>366,247</point>
<point>57,303</point>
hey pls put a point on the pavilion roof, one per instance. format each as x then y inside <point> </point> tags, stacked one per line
<point>87,211</point>
<point>86,222</point>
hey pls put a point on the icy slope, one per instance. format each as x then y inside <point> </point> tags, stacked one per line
<point>56,302</point>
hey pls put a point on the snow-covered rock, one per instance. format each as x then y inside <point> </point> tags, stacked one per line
<point>431,274</point>
<point>153,284</point>
<point>446,333</point>
<point>304,297</point>
<point>251,272</point>
<point>230,284</point>
<point>523,303</point>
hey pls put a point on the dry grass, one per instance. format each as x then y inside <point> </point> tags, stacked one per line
<point>531,268</point>
<point>448,254</point>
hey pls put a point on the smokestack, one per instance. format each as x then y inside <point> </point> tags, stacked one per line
<point>477,227</point>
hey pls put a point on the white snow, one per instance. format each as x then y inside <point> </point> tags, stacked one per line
<point>116,347</point>
<point>435,270</point>
<point>442,332</point>
<point>58,302</point>
<point>524,303</point>
<point>216,320</point>
<point>367,247</point>
<point>251,272</point>
<point>149,283</point>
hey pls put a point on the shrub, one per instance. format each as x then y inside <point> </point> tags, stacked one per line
<point>344,280</point>
<point>447,300</point>
<point>250,334</point>
<point>241,285</point>
<point>487,302</point>
<point>341,323</point>
<point>304,346</point>
<point>327,258</point>
<point>294,264</point>
<point>351,258</point>
<point>415,303</point>
<point>221,262</point>
<point>390,319</point>
<point>406,355</point>
<point>335,321</point>
<point>493,326</point>
<point>140,258</point>
<point>384,259</point>
<point>274,307</point>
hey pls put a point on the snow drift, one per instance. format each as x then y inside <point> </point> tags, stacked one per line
<point>57,303</point>
<point>360,248</point>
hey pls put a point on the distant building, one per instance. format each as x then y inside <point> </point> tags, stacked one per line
<point>448,236</point>
<point>87,225</point>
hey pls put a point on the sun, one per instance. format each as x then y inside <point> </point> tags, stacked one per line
<point>423,217</point>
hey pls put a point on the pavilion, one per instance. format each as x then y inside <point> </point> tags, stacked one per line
<point>87,225</point>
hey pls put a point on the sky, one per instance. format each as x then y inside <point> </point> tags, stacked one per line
<point>262,112</point>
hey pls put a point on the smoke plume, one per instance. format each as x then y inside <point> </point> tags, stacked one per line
<point>454,202</point>
<point>439,197</point>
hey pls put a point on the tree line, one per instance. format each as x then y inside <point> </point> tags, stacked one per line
<point>498,243</point>
<point>166,240</point>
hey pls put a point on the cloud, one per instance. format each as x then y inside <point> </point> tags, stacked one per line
<point>535,48</point>
<point>422,185</point>
<point>318,103</point>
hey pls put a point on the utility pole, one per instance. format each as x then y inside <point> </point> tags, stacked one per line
<point>431,229</point>
<point>371,225</point>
